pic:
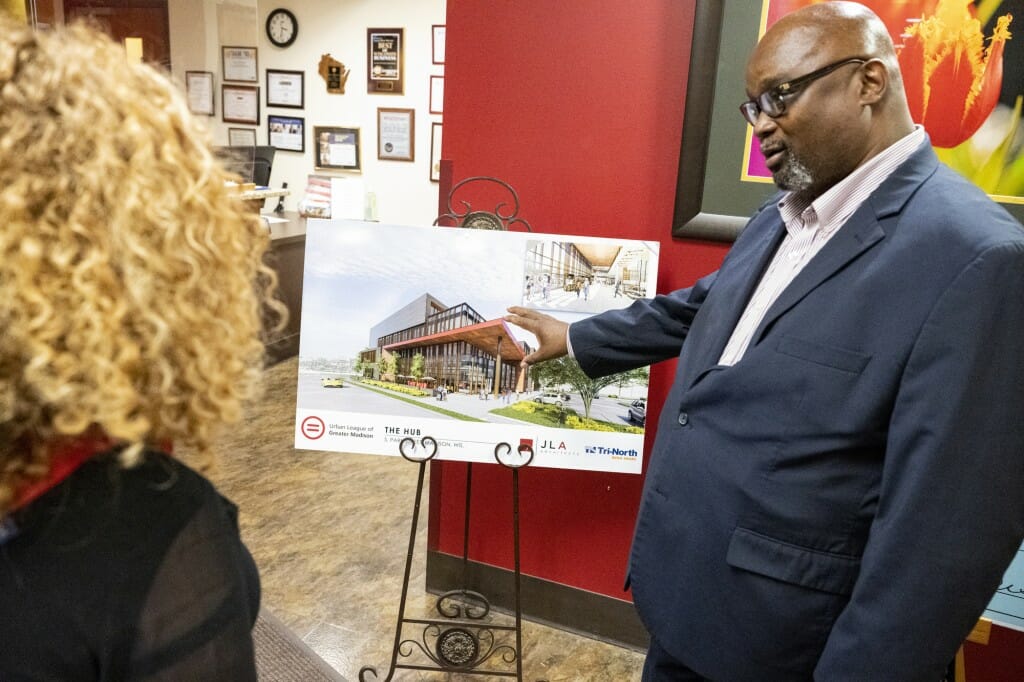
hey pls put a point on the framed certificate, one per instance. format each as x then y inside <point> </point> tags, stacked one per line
<point>437,94</point>
<point>199,91</point>
<point>240,104</point>
<point>385,63</point>
<point>287,133</point>
<point>435,152</point>
<point>437,43</point>
<point>241,137</point>
<point>239,64</point>
<point>286,89</point>
<point>336,148</point>
<point>396,139</point>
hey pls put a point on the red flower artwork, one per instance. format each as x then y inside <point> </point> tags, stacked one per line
<point>952,78</point>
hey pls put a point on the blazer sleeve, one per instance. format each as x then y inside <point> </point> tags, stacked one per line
<point>648,331</point>
<point>950,511</point>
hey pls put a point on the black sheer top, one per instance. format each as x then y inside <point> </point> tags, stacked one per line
<point>127,574</point>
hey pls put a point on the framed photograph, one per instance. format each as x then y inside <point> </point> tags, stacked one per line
<point>241,137</point>
<point>199,92</point>
<point>287,133</point>
<point>722,178</point>
<point>239,64</point>
<point>396,134</point>
<point>437,94</point>
<point>385,61</point>
<point>336,148</point>
<point>437,43</point>
<point>435,152</point>
<point>240,104</point>
<point>286,89</point>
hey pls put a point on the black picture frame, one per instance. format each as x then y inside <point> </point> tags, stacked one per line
<point>294,84</point>
<point>712,201</point>
<point>286,133</point>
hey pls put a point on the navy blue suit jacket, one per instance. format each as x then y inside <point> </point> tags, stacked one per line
<point>843,501</point>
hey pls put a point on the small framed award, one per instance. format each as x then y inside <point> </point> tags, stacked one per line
<point>199,91</point>
<point>437,43</point>
<point>286,133</point>
<point>396,138</point>
<point>435,152</point>
<point>385,63</point>
<point>286,89</point>
<point>437,94</point>
<point>336,148</point>
<point>240,104</point>
<point>239,64</point>
<point>241,137</point>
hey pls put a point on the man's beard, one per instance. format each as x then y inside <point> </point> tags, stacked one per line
<point>793,175</point>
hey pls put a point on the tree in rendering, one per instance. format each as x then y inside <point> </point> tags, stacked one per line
<point>565,370</point>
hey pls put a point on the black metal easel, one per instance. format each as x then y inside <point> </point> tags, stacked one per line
<point>461,640</point>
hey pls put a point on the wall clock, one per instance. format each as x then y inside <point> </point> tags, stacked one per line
<point>282,27</point>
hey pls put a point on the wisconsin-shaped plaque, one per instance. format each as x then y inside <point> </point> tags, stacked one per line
<point>334,73</point>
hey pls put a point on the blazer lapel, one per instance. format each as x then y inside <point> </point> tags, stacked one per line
<point>734,285</point>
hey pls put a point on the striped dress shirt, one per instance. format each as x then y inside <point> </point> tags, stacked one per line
<point>809,226</point>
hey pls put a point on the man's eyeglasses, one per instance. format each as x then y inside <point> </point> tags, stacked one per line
<point>773,101</point>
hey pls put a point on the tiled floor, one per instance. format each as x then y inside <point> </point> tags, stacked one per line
<point>329,533</point>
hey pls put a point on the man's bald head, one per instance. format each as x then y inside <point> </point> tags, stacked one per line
<point>834,30</point>
<point>829,77</point>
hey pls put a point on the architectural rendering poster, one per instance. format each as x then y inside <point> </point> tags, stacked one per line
<point>403,336</point>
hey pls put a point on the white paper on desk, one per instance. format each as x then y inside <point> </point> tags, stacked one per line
<point>347,198</point>
<point>273,219</point>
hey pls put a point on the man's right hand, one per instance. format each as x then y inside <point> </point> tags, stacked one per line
<point>550,333</point>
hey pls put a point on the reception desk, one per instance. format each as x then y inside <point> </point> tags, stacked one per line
<point>285,256</point>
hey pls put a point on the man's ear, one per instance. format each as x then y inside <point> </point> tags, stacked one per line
<point>874,81</point>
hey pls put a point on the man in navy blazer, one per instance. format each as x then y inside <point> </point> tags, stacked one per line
<point>837,483</point>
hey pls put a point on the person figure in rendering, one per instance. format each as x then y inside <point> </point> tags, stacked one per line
<point>131,293</point>
<point>835,489</point>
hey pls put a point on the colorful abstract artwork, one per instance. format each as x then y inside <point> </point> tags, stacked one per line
<point>964,77</point>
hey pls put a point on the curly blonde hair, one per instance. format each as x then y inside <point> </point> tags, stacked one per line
<point>131,283</point>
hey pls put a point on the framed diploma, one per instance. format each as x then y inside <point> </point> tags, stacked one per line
<point>336,148</point>
<point>396,139</point>
<point>286,89</point>
<point>199,91</point>
<point>239,64</point>
<point>287,133</point>
<point>437,43</point>
<point>241,137</point>
<point>385,61</point>
<point>435,152</point>
<point>240,104</point>
<point>437,94</point>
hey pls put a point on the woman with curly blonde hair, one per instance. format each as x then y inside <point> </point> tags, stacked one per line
<point>131,296</point>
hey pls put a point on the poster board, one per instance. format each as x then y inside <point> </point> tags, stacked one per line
<point>375,296</point>
<point>1007,606</point>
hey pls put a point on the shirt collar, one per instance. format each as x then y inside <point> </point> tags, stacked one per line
<point>841,200</point>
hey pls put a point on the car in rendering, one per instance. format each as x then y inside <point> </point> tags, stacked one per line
<point>638,412</point>
<point>552,398</point>
<point>331,382</point>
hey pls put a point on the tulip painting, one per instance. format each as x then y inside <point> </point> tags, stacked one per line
<point>953,76</point>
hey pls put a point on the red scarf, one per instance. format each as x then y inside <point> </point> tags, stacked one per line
<point>64,461</point>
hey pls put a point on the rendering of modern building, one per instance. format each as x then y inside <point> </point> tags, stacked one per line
<point>461,349</point>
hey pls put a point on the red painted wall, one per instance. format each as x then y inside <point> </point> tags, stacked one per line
<point>579,106</point>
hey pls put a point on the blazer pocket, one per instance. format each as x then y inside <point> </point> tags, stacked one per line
<point>829,356</point>
<point>824,571</point>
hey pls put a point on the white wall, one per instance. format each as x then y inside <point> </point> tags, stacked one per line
<point>403,190</point>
